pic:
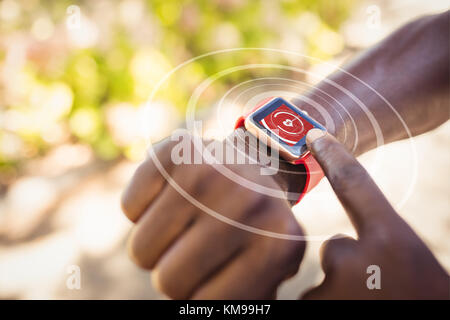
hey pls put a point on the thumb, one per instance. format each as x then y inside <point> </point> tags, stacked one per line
<point>363,201</point>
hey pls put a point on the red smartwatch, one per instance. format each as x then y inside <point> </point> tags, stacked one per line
<point>284,127</point>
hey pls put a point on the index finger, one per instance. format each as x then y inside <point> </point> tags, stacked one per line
<point>363,201</point>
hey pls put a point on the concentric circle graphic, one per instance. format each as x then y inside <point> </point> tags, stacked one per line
<point>293,85</point>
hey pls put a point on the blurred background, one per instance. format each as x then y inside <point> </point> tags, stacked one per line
<point>74,77</point>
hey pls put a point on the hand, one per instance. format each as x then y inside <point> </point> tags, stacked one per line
<point>408,268</point>
<point>195,255</point>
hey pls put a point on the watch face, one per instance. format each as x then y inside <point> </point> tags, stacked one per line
<point>285,125</point>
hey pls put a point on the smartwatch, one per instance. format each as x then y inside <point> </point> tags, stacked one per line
<point>284,127</point>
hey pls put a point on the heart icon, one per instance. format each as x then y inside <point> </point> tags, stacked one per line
<point>288,123</point>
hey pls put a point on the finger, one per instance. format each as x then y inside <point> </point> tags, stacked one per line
<point>336,250</point>
<point>171,213</point>
<point>205,247</point>
<point>254,274</point>
<point>335,253</point>
<point>364,202</point>
<point>147,182</point>
<point>242,279</point>
<point>210,244</point>
<point>165,221</point>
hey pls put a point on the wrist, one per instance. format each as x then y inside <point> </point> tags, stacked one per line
<point>340,113</point>
<point>290,178</point>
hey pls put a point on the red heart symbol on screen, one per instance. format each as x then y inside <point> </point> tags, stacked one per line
<point>288,123</point>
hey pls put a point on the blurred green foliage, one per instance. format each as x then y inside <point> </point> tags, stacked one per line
<point>136,43</point>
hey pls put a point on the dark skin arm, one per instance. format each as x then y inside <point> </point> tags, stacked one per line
<point>410,70</point>
<point>407,268</point>
<point>194,255</point>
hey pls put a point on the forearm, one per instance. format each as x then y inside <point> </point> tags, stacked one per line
<point>403,78</point>
<point>398,87</point>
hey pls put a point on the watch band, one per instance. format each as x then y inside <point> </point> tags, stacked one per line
<point>313,170</point>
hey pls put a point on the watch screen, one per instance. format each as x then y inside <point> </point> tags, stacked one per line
<point>286,124</point>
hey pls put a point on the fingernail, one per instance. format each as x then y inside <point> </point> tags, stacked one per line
<point>314,134</point>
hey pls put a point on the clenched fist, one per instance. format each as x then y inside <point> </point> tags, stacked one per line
<point>193,254</point>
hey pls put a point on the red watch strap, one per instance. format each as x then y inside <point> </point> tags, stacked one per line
<point>314,173</point>
<point>313,170</point>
